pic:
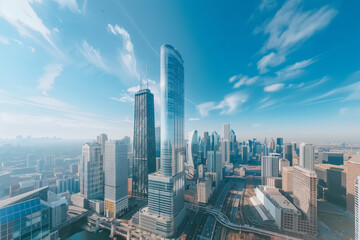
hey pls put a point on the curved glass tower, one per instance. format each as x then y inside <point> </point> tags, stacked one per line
<point>172,110</point>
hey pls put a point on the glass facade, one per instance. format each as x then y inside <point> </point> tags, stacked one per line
<point>172,111</point>
<point>144,142</point>
<point>25,220</point>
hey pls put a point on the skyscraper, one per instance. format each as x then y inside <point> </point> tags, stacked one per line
<point>144,142</point>
<point>269,167</point>
<point>214,141</point>
<point>157,141</point>
<point>287,152</point>
<point>192,149</point>
<point>226,131</point>
<point>307,156</point>
<point>101,139</point>
<point>206,140</point>
<point>91,171</point>
<point>279,141</point>
<point>305,197</point>
<point>352,172</point>
<point>166,208</point>
<point>225,150</point>
<point>116,180</point>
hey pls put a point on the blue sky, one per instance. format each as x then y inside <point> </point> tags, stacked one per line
<point>69,68</point>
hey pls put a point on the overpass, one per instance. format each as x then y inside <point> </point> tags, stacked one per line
<point>224,220</point>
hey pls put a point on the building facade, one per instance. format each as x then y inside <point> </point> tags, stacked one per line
<point>144,161</point>
<point>352,172</point>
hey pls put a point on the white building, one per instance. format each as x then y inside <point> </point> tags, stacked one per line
<point>307,156</point>
<point>269,167</point>
<point>203,189</point>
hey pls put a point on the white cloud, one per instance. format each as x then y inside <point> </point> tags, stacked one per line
<point>235,77</point>
<point>228,105</point>
<point>124,97</point>
<point>32,49</point>
<point>245,80</point>
<point>22,16</point>
<point>194,119</point>
<point>267,4</point>
<point>266,104</point>
<point>127,54</point>
<point>294,70</point>
<point>46,81</point>
<point>4,40</point>
<point>316,83</point>
<point>71,4</point>
<point>93,56</point>
<point>256,125</point>
<point>18,42</point>
<point>291,25</point>
<point>272,60</point>
<point>274,87</point>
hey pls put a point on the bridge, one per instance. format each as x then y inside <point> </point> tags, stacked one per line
<point>224,220</point>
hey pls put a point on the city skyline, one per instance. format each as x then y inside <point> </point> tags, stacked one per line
<point>246,64</point>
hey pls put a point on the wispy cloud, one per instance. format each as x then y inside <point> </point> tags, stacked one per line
<point>294,70</point>
<point>288,28</point>
<point>267,4</point>
<point>46,81</point>
<point>316,83</point>
<point>194,119</point>
<point>228,105</point>
<point>22,16</point>
<point>32,49</point>
<point>18,42</point>
<point>124,97</point>
<point>274,87</point>
<point>244,80</point>
<point>256,125</point>
<point>93,56</point>
<point>71,4</point>
<point>4,40</point>
<point>127,53</point>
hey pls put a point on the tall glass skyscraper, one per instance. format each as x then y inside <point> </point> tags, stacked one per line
<point>144,142</point>
<point>166,208</point>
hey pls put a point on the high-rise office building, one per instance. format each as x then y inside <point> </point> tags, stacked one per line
<point>192,149</point>
<point>116,180</point>
<point>269,167</point>
<point>226,131</point>
<point>305,197</point>
<point>91,171</point>
<point>271,145</point>
<point>357,208</point>
<point>225,150</point>
<point>206,140</point>
<point>211,161</point>
<point>279,141</point>
<point>352,172</point>
<point>166,208</point>
<point>307,156</point>
<point>144,161</point>
<point>101,139</point>
<point>336,158</point>
<point>244,154</point>
<point>214,141</point>
<point>218,168</point>
<point>157,141</point>
<point>287,152</point>
<point>287,179</point>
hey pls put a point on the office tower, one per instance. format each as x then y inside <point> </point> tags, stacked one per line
<point>206,140</point>
<point>214,141</point>
<point>335,158</point>
<point>166,208</point>
<point>225,150</point>
<point>192,149</point>
<point>226,131</point>
<point>287,179</point>
<point>357,209</point>
<point>157,141</point>
<point>269,167</point>
<point>244,154</point>
<point>305,196</point>
<point>144,161</point>
<point>352,172</point>
<point>31,160</point>
<point>271,145</point>
<point>218,168</point>
<point>203,189</point>
<point>101,139</point>
<point>211,161</point>
<point>283,163</point>
<point>91,171</point>
<point>116,180</point>
<point>279,141</point>
<point>287,152</point>
<point>307,156</point>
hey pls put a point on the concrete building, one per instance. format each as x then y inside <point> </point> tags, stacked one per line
<point>335,158</point>
<point>226,131</point>
<point>269,167</point>
<point>307,156</point>
<point>211,161</point>
<point>157,142</point>
<point>352,172</point>
<point>285,214</point>
<point>283,162</point>
<point>305,197</point>
<point>116,179</point>
<point>219,167</point>
<point>287,153</point>
<point>287,179</point>
<point>91,171</point>
<point>357,208</point>
<point>203,189</point>
<point>225,150</point>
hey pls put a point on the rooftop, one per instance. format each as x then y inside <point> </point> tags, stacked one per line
<point>277,198</point>
<point>331,166</point>
<point>19,198</point>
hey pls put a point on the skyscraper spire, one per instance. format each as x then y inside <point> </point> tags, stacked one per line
<point>147,79</point>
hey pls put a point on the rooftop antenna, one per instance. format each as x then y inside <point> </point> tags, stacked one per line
<point>147,79</point>
<point>140,83</point>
